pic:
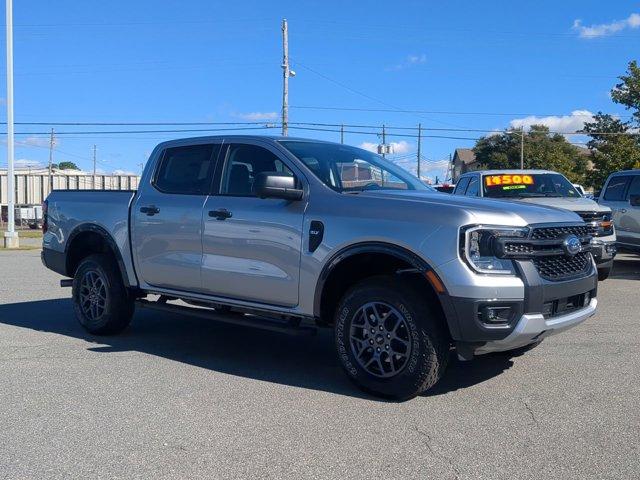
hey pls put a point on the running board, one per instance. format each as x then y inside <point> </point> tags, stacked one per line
<point>264,323</point>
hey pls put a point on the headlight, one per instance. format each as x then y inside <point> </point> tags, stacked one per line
<point>604,227</point>
<point>477,248</point>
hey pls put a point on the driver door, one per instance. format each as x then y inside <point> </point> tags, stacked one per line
<point>251,246</point>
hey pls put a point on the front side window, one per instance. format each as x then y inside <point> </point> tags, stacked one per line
<point>348,169</point>
<point>472,189</point>
<point>462,186</point>
<point>523,185</point>
<point>244,162</point>
<point>187,170</point>
<point>616,188</point>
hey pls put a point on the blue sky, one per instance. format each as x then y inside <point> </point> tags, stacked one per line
<point>208,61</point>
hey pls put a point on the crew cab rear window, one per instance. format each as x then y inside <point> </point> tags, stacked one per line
<point>616,188</point>
<point>187,170</point>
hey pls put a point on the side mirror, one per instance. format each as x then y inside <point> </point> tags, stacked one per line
<point>276,185</point>
<point>634,200</point>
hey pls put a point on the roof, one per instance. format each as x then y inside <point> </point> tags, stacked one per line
<point>466,155</point>
<point>512,171</point>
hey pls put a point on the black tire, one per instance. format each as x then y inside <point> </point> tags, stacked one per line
<point>603,273</point>
<point>426,338</point>
<point>107,307</point>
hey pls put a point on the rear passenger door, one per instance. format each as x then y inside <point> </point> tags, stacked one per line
<point>252,246</point>
<point>630,218</point>
<point>167,217</point>
<point>615,197</point>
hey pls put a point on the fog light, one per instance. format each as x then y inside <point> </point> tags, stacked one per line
<point>587,299</point>
<point>547,309</point>
<point>611,248</point>
<point>497,314</point>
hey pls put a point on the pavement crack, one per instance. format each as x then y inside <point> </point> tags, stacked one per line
<point>531,413</point>
<point>428,441</point>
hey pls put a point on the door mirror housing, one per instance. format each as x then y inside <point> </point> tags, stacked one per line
<point>276,185</point>
<point>634,200</point>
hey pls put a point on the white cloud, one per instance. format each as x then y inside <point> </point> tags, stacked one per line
<point>123,172</point>
<point>35,141</point>
<point>26,163</point>
<point>561,124</point>
<point>410,61</point>
<point>257,116</point>
<point>605,29</point>
<point>398,147</point>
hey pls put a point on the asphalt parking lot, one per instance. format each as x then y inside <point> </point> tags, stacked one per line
<point>178,397</point>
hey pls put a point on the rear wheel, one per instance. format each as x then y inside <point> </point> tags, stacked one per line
<point>389,341</point>
<point>102,304</point>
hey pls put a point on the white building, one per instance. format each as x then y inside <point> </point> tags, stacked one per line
<point>32,185</point>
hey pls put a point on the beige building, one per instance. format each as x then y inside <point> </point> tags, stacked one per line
<point>32,185</point>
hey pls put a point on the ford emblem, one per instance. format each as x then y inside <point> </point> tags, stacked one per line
<point>571,245</point>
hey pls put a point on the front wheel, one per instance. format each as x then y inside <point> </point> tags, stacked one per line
<point>389,341</point>
<point>102,304</point>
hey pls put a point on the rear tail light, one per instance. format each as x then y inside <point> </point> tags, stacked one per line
<point>45,217</point>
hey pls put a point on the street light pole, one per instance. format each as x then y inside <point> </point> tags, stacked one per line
<point>285,78</point>
<point>10,236</point>
<point>522,147</point>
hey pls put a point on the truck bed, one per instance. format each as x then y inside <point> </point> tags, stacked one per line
<point>69,212</point>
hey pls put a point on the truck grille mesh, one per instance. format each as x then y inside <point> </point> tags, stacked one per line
<point>551,233</point>
<point>562,267</point>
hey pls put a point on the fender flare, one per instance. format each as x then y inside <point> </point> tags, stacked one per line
<point>422,266</point>
<point>365,247</point>
<point>106,236</point>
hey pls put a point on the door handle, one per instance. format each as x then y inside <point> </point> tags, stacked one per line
<point>150,210</point>
<point>220,214</point>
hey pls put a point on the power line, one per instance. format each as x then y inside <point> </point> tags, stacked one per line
<point>442,112</point>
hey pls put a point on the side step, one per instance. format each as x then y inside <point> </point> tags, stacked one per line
<point>264,323</point>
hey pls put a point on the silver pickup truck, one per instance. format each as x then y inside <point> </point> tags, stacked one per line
<point>292,234</point>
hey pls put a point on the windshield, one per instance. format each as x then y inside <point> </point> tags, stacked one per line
<point>524,185</point>
<point>349,169</point>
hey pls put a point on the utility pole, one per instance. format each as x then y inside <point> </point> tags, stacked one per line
<point>419,147</point>
<point>51,144</point>
<point>285,78</point>
<point>10,236</point>
<point>522,147</point>
<point>94,167</point>
<point>342,133</point>
<point>384,141</point>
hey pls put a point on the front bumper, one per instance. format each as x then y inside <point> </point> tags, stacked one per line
<point>603,252</point>
<point>541,307</point>
<point>534,327</point>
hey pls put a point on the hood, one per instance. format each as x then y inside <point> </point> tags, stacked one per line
<point>579,204</point>
<point>482,210</point>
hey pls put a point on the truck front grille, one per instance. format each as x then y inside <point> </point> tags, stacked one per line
<point>563,267</point>
<point>544,248</point>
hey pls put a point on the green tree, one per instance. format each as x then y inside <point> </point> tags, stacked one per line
<point>67,166</point>
<point>627,92</point>
<point>614,144</point>
<point>542,149</point>
<point>612,148</point>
